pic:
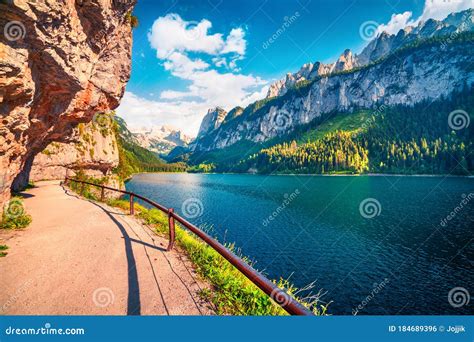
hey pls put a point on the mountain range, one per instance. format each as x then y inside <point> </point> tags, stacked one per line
<point>420,63</point>
<point>160,139</point>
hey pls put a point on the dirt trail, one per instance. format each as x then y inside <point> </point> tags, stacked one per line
<point>83,258</point>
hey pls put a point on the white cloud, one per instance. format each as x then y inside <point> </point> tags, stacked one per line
<point>139,112</point>
<point>223,89</point>
<point>255,96</point>
<point>220,62</point>
<point>396,23</point>
<point>440,9</point>
<point>181,66</point>
<point>433,9</point>
<point>235,42</point>
<point>171,33</point>
<point>190,52</point>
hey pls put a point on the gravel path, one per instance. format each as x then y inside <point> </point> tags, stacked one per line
<point>83,258</point>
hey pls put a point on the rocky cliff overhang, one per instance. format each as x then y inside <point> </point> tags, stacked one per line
<point>61,62</point>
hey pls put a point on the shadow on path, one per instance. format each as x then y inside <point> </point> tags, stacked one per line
<point>133,302</point>
<point>134,305</point>
<point>24,194</point>
<point>148,245</point>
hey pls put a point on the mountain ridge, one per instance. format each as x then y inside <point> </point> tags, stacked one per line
<point>377,48</point>
<point>161,139</point>
<point>347,97</point>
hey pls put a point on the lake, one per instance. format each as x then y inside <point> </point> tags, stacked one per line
<point>374,245</point>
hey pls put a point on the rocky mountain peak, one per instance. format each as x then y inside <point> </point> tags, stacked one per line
<point>346,61</point>
<point>382,45</point>
<point>428,70</point>
<point>212,120</point>
<point>233,113</point>
<point>160,139</point>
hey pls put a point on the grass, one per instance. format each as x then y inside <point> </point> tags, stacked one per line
<point>3,248</point>
<point>14,215</point>
<point>348,122</point>
<point>232,293</point>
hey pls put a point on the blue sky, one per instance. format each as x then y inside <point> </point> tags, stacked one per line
<point>190,55</point>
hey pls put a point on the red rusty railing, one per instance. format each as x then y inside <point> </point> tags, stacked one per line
<point>281,297</point>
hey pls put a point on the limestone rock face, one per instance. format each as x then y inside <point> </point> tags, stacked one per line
<point>233,113</point>
<point>375,77</point>
<point>425,73</point>
<point>92,149</point>
<point>212,120</point>
<point>379,47</point>
<point>61,62</point>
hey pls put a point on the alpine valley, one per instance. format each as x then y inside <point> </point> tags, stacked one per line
<point>401,105</point>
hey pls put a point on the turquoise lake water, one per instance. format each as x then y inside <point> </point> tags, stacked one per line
<point>373,244</point>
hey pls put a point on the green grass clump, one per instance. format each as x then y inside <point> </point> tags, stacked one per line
<point>14,215</point>
<point>3,248</point>
<point>232,293</point>
<point>132,19</point>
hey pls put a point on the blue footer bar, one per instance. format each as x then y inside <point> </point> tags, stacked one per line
<point>242,329</point>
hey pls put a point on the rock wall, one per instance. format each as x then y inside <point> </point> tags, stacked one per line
<point>382,45</point>
<point>61,62</point>
<point>93,151</point>
<point>212,120</point>
<point>426,73</point>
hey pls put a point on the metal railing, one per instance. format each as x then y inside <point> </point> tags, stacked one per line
<point>281,297</point>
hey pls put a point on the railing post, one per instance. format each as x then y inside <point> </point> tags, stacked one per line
<point>102,194</point>
<point>132,208</point>
<point>172,230</point>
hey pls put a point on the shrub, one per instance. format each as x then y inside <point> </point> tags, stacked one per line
<point>3,248</point>
<point>14,215</point>
<point>132,19</point>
